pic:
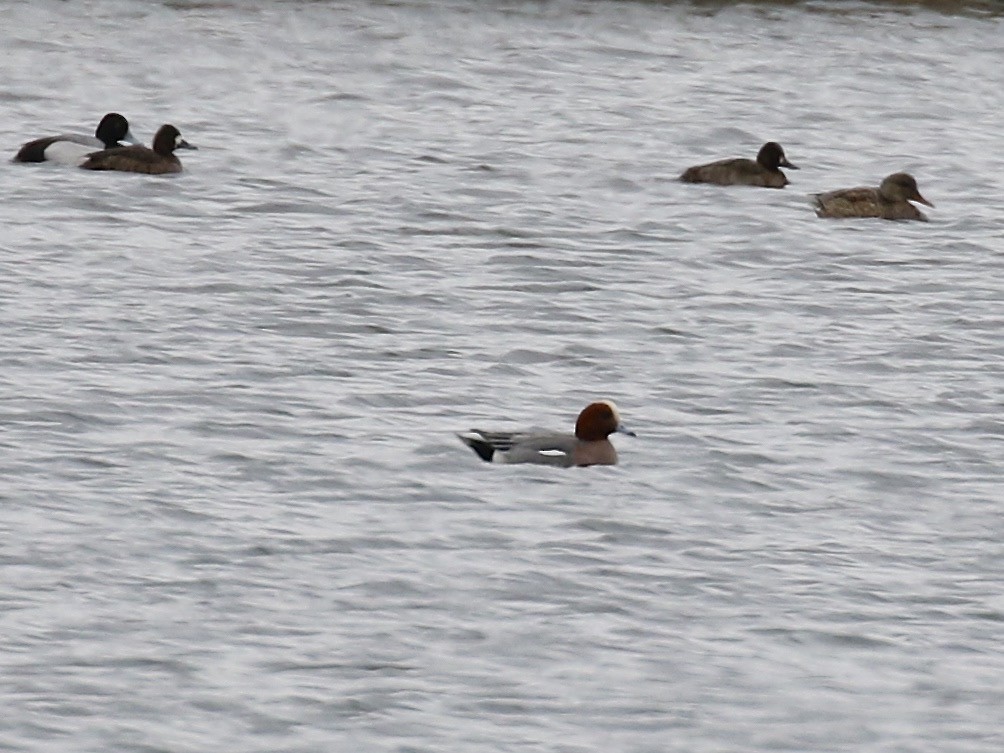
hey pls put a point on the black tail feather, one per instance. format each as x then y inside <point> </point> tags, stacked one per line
<point>484,450</point>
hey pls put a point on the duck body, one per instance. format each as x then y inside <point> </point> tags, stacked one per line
<point>589,445</point>
<point>73,148</point>
<point>890,201</point>
<point>764,171</point>
<point>159,160</point>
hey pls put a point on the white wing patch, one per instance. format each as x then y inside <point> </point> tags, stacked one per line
<point>68,153</point>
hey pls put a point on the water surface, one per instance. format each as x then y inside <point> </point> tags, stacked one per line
<point>235,514</point>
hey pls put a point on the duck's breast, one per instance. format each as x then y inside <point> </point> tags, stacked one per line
<point>903,210</point>
<point>601,452</point>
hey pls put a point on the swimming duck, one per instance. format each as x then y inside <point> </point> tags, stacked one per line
<point>588,446</point>
<point>890,201</point>
<point>72,148</point>
<point>763,172</point>
<point>139,159</point>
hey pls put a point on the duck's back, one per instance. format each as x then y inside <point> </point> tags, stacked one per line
<point>542,448</point>
<point>42,150</point>
<point>554,448</point>
<point>849,202</point>
<point>735,172</point>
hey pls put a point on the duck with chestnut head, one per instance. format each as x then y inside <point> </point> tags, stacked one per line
<point>589,445</point>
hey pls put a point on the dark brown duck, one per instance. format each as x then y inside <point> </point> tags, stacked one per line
<point>764,171</point>
<point>139,159</point>
<point>890,201</point>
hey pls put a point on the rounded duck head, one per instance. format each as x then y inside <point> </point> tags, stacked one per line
<point>112,129</point>
<point>901,187</point>
<point>598,421</point>
<point>771,156</point>
<point>168,139</point>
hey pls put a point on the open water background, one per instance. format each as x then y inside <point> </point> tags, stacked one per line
<point>233,514</point>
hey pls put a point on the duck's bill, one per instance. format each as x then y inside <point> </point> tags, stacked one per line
<point>622,429</point>
<point>129,139</point>
<point>182,144</point>
<point>922,200</point>
<point>789,165</point>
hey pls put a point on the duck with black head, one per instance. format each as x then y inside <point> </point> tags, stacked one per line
<point>764,171</point>
<point>890,201</point>
<point>159,160</point>
<point>73,148</point>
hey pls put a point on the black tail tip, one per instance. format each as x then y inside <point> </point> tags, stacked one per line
<point>484,450</point>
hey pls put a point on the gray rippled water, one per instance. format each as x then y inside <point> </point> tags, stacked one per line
<point>235,515</point>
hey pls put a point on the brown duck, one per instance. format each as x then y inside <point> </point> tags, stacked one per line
<point>139,159</point>
<point>890,201</point>
<point>764,171</point>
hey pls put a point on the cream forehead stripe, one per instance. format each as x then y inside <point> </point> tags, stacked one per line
<point>610,404</point>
